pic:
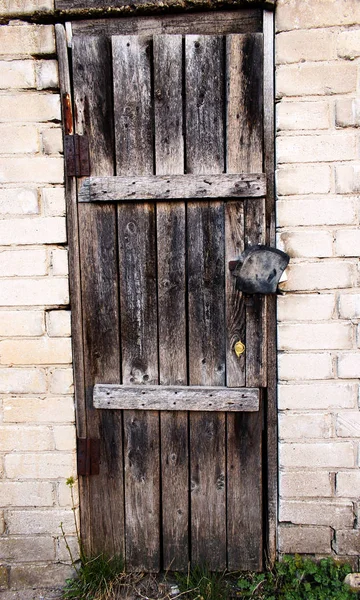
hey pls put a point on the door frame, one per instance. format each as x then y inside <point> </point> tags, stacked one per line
<point>270,458</point>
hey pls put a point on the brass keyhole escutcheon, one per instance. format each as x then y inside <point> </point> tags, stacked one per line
<point>239,348</point>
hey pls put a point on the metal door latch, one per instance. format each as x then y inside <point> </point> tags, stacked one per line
<point>259,269</point>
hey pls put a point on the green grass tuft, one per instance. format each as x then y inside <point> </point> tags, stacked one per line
<point>96,579</point>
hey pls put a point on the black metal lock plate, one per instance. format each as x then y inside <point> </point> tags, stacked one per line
<point>259,269</point>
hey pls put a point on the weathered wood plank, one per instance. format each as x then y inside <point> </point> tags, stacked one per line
<point>124,6</point>
<point>137,268</point>
<point>244,59</point>
<point>204,58</point>
<point>99,280</point>
<point>169,159</point>
<point>244,435</point>
<point>221,22</point>
<point>235,306</point>
<point>244,489</point>
<point>271,404</point>
<point>176,398</point>
<point>164,187</point>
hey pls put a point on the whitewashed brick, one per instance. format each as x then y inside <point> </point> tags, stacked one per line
<point>50,291</point>
<point>36,522</point>
<point>315,336</point>
<point>320,276</point>
<point>347,179</point>
<point>316,211</point>
<point>25,576</point>
<point>316,148</point>
<point>25,439</point>
<point>61,381</point>
<point>54,201</point>
<point>23,262</point>
<point>311,45</point>
<point>304,14</point>
<point>306,307</point>
<point>306,484</point>
<point>58,323</point>
<point>65,438</point>
<point>319,454</point>
<point>349,365</point>
<point>17,138</point>
<point>17,74</point>
<point>22,381</point>
<point>348,424</point>
<point>27,39</point>
<point>39,230</point>
<point>47,76</point>
<point>62,553</point>
<point>316,79</point>
<point>14,549</point>
<point>52,141</point>
<point>349,306</point>
<point>26,493</point>
<point>348,542</point>
<point>35,410</point>
<point>348,483</point>
<point>21,201</point>
<point>305,366</point>
<point>318,396</point>
<point>303,179</point>
<point>302,115</point>
<point>348,112</point>
<point>348,242</point>
<point>59,261</point>
<point>44,465</point>
<point>25,7</point>
<point>307,243</point>
<point>30,107</point>
<point>304,426</point>
<point>14,323</point>
<point>304,540</point>
<point>36,169</point>
<point>64,494</point>
<point>35,352</point>
<point>335,514</point>
<point>348,43</point>
<point>2,531</point>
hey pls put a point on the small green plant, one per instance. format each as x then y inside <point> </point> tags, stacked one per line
<point>294,578</point>
<point>96,577</point>
<point>297,578</point>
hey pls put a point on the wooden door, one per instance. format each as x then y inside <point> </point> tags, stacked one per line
<point>174,124</point>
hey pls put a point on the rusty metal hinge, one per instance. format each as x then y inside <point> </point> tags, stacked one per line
<point>77,159</point>
<point>88,456</point>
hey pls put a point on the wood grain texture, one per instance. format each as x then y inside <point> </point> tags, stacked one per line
<point>271,397</point>
<point>244,436</point>
<point>99,281</point>
<point>169,160</point>
<point>244,490</point>
<point>176,398</point>
<point>124,6</point>
<point>165,187</point>
<point>205,243</point>
<point>137,268</point>
<point>221,22</point>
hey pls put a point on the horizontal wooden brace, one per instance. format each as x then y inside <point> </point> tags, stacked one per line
<point>159,397</point>
<point>174,187</point>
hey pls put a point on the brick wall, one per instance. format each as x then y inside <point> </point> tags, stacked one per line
<point>37,435</point>
<point>318,160</point>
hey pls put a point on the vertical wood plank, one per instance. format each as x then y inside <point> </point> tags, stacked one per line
<point>97,232</point>
<point>271,404</point>
<point>138,301</point>
<point>244,432</point>
<point>206,296</point>
<point>169,159</point>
